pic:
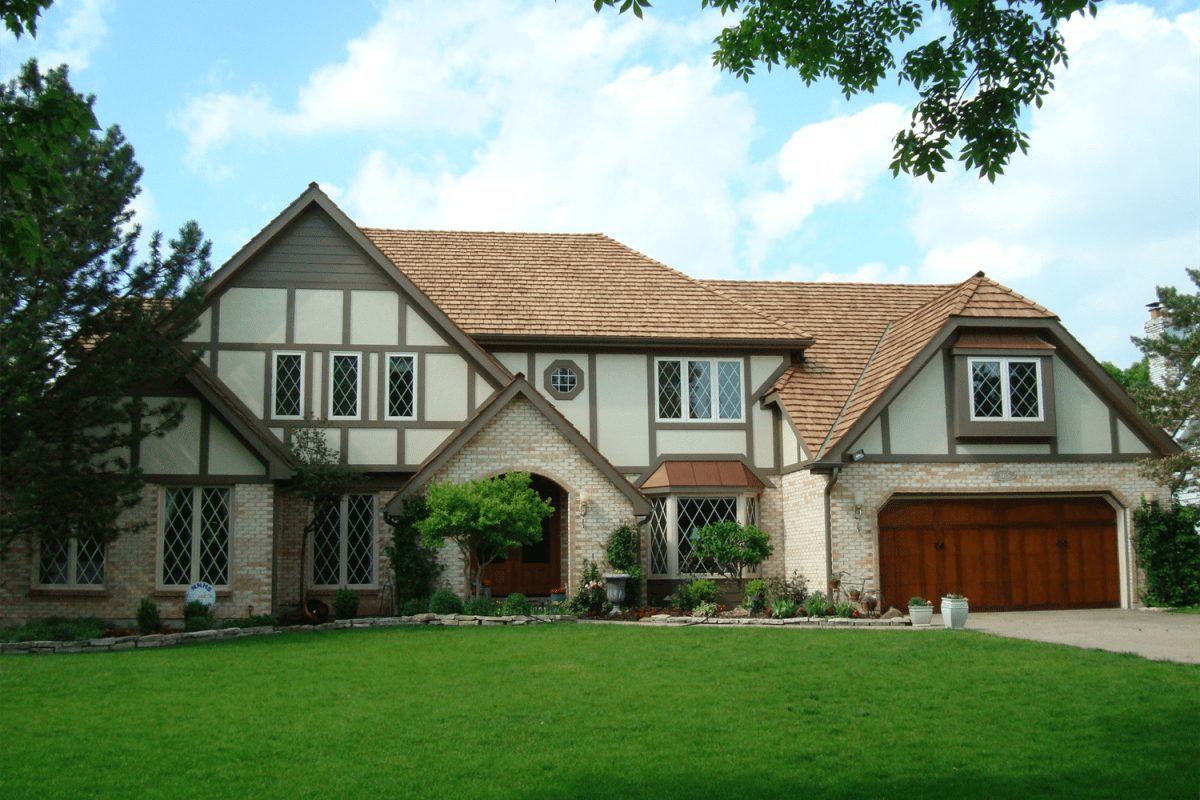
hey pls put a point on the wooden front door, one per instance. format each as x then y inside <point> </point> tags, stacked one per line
<point>1002,554</point>
<point>535,569</point>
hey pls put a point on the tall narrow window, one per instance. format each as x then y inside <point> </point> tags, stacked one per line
<point>343,545</point>
<point>401,386</point>
<point>71,563</point>
<point>287,398</point>
<point>699,389</point>
<point>344,380</point>
<point>195,536</point>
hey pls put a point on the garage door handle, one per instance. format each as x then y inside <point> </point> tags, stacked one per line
<point>939,545</point>
<point>1062,543</point>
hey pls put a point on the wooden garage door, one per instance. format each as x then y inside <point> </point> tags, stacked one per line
<point>1003,554</point>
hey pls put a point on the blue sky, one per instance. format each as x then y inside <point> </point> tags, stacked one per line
<point>543,116</point>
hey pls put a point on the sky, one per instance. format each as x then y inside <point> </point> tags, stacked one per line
<point>535,115</point>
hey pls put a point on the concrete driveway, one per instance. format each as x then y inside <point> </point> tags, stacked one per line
<point>1157,635</point>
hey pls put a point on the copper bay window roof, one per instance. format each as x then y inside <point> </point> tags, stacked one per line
<point>706,474</point>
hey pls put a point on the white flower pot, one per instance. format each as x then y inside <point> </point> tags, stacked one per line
<point>954,612</point>
<point>921,616</point>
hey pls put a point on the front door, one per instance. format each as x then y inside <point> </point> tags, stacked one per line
<point>535,569</point>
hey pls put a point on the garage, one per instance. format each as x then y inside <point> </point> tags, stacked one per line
<point>1005,554</point>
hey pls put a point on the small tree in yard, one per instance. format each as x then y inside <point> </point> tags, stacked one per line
<point>484,518</point>
<point>732,547</point>
<point>321,480</point>
<point>414,562</point>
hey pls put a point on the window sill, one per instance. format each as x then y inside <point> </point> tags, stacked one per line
<point>168,591</point>
<point>76,591</point>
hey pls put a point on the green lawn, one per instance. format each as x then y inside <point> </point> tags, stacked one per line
<point>600,711</point>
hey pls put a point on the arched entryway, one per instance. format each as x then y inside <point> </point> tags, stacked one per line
<point>534,570</point>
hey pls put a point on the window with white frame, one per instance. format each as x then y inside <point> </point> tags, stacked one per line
<point>287,386</point>
<point>401,386</point>
<point>343,543</point>
<point>674,521</point>
<point>195,536</point>
<point>698,389</point>
<point>71,563</point>
<point>345,379</point>
<point>1005,389</point>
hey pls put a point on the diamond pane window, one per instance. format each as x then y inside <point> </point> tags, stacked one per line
<point>343,389</point>
<point>54,564</point>
<point>289,385</point>
<point>1023,389</point>
<point>729,389</point>
<point>693,514</point>
<point>987,397</point>
<point>214,536</point>
<point>177,538</point>
<point>700,389</point>
<point>344,543</point>
<point>564,380</point>
<point>659,565</point>
<point>89,562</point>
<point>402,387</point>
<point>670,393</point>
<point>197,525</point>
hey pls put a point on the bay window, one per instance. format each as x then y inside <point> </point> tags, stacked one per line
<point>674,521</point>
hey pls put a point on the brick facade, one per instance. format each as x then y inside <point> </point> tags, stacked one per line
<point>803,501</point>
<point>131,564</point>
<point>521,439</point>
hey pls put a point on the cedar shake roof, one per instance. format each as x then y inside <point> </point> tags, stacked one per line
<point>866,335</point>
<point>564,285</point>
<point>709,474</point>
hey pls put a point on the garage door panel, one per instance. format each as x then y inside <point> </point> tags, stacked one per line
<point>1003,553</point>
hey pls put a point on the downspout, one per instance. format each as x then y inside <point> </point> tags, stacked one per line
<point>837,471</point>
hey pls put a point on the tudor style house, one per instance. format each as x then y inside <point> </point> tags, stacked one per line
<point>920,439</point>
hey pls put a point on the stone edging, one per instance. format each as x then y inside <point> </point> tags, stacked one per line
<point>814,622</point>
<point>112,643</point>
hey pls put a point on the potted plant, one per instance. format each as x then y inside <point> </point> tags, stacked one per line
<point>954,610</point>
<point>920,611</point>
<point>558,594</point>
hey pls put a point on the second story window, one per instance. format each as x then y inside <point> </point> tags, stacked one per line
<point>344,384</point>
<point>699,389</point>
<point>1005,389</point>
<point>401,386</point>
<point>287,388</point>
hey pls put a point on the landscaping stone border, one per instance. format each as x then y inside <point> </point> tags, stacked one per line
<point>113,643</point>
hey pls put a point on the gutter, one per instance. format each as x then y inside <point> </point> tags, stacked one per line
<point>837,471</point>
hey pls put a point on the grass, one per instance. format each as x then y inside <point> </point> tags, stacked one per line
<point>600,711</point>
<point>1185,610</point>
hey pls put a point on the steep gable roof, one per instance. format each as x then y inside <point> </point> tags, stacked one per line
<point>525,286</point>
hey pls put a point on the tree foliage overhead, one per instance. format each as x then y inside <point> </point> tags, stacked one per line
<point>87,323</point>
<point>484,518</point>
<point>1173,403</point>
<point>975,81</point>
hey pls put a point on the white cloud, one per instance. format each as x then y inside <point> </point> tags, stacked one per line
<point>79,34</point>
<point>1107,203</point>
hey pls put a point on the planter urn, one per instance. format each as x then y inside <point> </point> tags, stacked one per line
<point>921,616</point>
<point>614,589</point>
<point>954,612</point>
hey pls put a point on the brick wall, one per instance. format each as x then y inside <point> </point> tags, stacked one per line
<point>865,488</point>
<point>520,439</point>
<point>803,507</point>
<point>131,564</point>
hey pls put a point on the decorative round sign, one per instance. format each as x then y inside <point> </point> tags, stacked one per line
<point>201,592</point>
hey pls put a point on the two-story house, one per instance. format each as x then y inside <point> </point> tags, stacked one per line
<point>922,439</point>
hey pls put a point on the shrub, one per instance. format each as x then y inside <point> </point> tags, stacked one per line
<point>345,604</point>
<point>756,595</point>
<point>516,604</point>
<point>1169,549</point>
<point>414,605</point>
<point>590,597</point>
<point>256,621</point>
<point>624,553</point>
<point>703,591</point>
<point>681,596</point>
<point>480,607</point>
<point>705,609</point>
<point>199,622</point>
<point>55,629</point>
<point>844,610</point>
<point>784,608</point>
<point>445,601</point>
<point>732,547</point>
<point>414,564</point>
<point>196,609</point>
<point>794,588</point>
<point>148,618</point>
<point>816,604</point>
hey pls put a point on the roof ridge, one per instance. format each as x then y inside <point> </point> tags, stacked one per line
<point>954,288</point>
<point>366,228</point>
<point>701,284</point>
<point>830,283</point>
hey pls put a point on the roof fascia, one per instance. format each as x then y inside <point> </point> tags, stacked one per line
<point>280,462</point>
<point>486,413</point>
<point>649,343</point>
<point>496,372</point>
<point>755,471</point>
